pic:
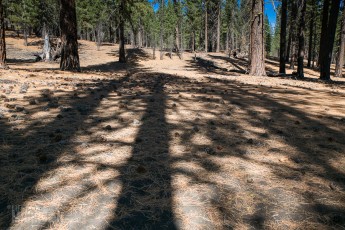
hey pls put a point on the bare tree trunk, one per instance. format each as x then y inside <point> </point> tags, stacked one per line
<point>313,52</point>
<point>161,29</point>
<point>99,35</point>
<point>25,36</point>
<point>257,63</point>
<point>46,47</point>
<point>311,33</point>
<point>122,51</point>
<point>206,25</point>
<point>69,39</point>
<point>2,38</point>
<point>324,25</point>
<point>282,52</point>
<point>340,58</point>
<point>302,5</point>
<point>326,54</point>
<point>218,27</point>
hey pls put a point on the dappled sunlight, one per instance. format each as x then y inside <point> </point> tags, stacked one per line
<point>171,151</point>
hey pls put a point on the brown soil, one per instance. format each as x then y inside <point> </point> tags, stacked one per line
<point>171,144</point>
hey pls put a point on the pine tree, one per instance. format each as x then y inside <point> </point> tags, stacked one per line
<point>341,50</point>
<point>257,57</point>
<point>302,4</point>
<point>282,51</point>
<point>329,24</point>
<point>69,37</point>
<point>2,38</point>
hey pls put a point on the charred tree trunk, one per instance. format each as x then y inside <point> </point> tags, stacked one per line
<point>257,61</point>
<point>311,34</point>
<point>282,52</point>
<point>302,5</point>
<point>122,51</point>
<point>340,58</point>
<point>69,38</point>
<point>2,38</point>
<point>329,31</point>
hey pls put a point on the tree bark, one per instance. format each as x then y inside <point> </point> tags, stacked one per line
<point>2,38</point>
<point>46,56</point>
<point>340,58</point>
<point>206,25</point>
<point>122,51</point>
<point>218,27</point>
<point>329,31</point>
<point>161,29</point>
<point>302,5</point>
<point>311,34</point>
<point>324,25</point>
<point>69,37</point>
<point>282,52</point>
<point>257,59</point>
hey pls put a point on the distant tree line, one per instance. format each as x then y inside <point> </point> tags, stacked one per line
<point>305,30</point>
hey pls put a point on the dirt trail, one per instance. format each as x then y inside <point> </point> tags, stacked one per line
<point>172,144</point>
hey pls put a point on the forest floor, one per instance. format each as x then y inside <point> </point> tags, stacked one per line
<point>171,144</point>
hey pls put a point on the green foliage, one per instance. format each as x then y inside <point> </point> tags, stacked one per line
<point>23,13</point>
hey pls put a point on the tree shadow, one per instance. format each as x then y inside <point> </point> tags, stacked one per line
<point>145,200</point>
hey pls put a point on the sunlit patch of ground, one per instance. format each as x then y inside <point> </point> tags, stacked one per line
<point>172,144</point>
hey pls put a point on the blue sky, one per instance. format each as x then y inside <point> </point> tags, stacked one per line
<point>269,11</point>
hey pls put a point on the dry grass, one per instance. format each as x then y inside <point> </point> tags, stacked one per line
<point>169,144</point>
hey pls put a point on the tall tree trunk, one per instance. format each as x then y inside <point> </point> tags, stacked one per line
<point>340,58</point>
<point>324,25</point>
<point>302,5</point>
<point>122,52</point>
<point>69,38</point>
<point>46,47</point>
<point>257,59</point>
<point>25,36</point>
<point>177,42</point>
<point>206,25</point>
<point>218,27</point>
<point>294,39</point>
<point>282,52</point>
<point>161,29</point>
<point>311,33</point>
<point>313,52</point>
<point>2,38</point>
<point>326,54</point>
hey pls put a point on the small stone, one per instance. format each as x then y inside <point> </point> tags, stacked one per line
<point>108,127</point>
<point>333,186</point>
<point>59,116</point>
<point>33,102</point>
<point>176,134</point>
<point>250,180</point>
<point>24,88</point>
<point>250,141</point>
<point>136,122</point>
<point>19,108</point>
<point>196,129</point>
